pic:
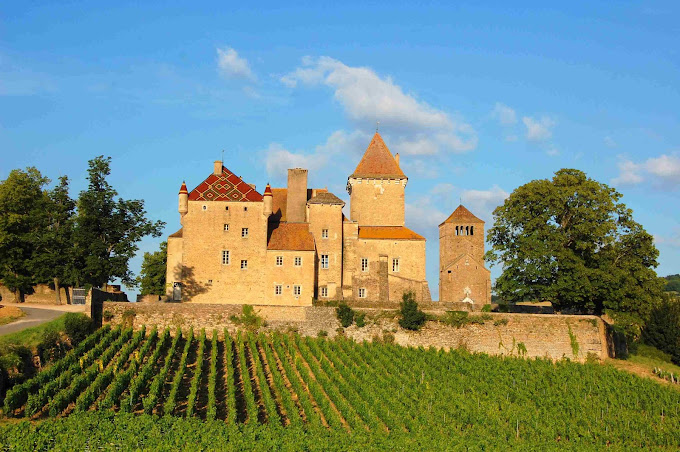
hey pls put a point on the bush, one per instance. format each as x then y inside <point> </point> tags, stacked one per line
<point>248,318</point>
<point>663,328</point>
<point>412,318</point>
<point>500,322</point>
<point>129,317</point>
<point>322,333</point>
<point>107,315</point>
<point>360,319</point>
<point>77,327</point>
<point>345,315</point>
<point>50,347</point>
<point>455,318</point>
<point>486,308</point>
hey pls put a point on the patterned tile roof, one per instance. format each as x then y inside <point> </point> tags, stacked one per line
<point>224,187</point>
<point>290,236</point>
<point>462,215</point>
<point>388,232</point>
<point>378,162</point>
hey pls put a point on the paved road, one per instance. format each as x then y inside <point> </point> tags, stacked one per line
<point>33,317</point>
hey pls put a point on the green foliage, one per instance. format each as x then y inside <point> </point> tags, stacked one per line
<point>152,275</point>
<point>412,318</point>
<point>108,230</point>
<point>77,327</point>
<point>672,283</point>
<point>322,333</point>
<point>107,315</point>
<point>573,341</point>
<point>570,241</point>
<point>345,315</point>
<point>486,308</point>
<point>663,328</point>
<point>360,319</point>
<point>23,203</point>
<point>521,349</point>
<point>460,318</point>
<point>211,410</point>
<point>500,322</point>
<point>249,319</point>
<point>129,317</point>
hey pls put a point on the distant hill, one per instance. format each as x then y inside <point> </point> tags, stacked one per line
<point>673,284</point>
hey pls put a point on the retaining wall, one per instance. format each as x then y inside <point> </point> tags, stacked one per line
<point>551,336</point>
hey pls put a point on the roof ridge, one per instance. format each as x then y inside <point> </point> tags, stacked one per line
<point>462,214</point>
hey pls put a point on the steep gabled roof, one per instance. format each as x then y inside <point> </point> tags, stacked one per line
<point>462,215</point>
<point>224,187</point>
<point>388,233</point>
<point>378,162</point>
<point>291,237</point>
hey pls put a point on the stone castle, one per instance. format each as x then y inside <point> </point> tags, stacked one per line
<point>288,246</point>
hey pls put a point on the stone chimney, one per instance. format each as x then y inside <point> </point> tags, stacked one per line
<point>396,158</point>
<point>218,168</point>
<point>268,201</point>
<point>297,195</point>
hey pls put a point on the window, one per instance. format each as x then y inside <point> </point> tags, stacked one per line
<point>244,232</point>
<point>244,264</point>
<point>226,227</point>
<point>225,257</point>
<point>362,293</point>
<point>226,208</point>
<point>395,265</point>
<point>210,282</point>
<point>278,289</point>
<point>205,207</point>
<point>324,261</point>
<point>364,264</point>
<point>245,209</point>
<point>324,233</point>
<point>472,230</point>
<point>279,261</point>
<point>298,261</point>
<point>324,292</point>
<point>297,290</point>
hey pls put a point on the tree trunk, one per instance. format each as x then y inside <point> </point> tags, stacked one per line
<point>57,291</point>
<point>18,296</point>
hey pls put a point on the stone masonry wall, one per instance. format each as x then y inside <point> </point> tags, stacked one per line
<point>550,336</point>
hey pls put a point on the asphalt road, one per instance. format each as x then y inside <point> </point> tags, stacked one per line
<point>33,317</point>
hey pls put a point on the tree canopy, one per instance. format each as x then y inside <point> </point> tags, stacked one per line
<point>108,230</point>
<point>672,283</point>
<point>570,240</point>
<point>152,276</point>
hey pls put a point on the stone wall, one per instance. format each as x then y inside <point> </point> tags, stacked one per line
<point>42,294</point>
<point>551,336</point>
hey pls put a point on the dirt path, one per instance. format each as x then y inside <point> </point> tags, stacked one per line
<point>639,370</point>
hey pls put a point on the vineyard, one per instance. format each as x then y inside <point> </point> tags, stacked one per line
<point>250,386</point>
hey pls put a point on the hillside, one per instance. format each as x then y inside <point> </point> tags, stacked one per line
<point>286,390</point>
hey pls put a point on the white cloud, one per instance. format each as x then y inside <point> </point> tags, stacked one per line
<point>482,203</point>
<point>538,129</point>
<point>553,152</point>
<point>609,142</point>
<point>419,168</point>
<point>416,127</point>
<point>672,241</point>
<point>279,159</point>
<point>505,115</point>
<point>230,65</point>
<point>664,169</point>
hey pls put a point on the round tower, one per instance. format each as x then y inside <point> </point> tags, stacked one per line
<point>183,200</point>
<point>268,199</point>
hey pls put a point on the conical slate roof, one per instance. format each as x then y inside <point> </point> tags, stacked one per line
<point>462,215</point>
<point>378,162</point>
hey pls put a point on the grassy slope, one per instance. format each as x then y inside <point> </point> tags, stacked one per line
<point>31,337</point>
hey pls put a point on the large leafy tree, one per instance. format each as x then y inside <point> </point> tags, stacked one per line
<point>108,230</point>
<point>54,261</point>
<point>570,240</point>
<point>22,207</point>
<point>152,275</point>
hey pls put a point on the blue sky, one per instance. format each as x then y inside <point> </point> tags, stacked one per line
<point>478,98</point>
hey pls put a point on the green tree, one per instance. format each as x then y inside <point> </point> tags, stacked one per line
<point>22,203</point>
<point>672,283</point>
<point>570,241</point>
<point>663,328</point>
<point>412,318</point>
<point>108,230</point>
<point>54,261</point>
<point>152,275</point>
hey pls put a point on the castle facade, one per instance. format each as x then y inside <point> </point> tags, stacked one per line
<point>288,246</point>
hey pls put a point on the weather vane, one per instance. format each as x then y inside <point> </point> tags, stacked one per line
<point>222,155</point>
<point>377,124</point>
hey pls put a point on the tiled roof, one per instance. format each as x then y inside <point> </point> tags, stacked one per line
<point>178,233</point>
<point>183,188</point>
<point>326,198</point>
<point>225,187</point>
<point>290,236</point>
<point>378,162</point>
<point>462,215</point>
<point>388,232</point>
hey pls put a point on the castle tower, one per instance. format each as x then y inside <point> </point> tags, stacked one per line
<point>376,187</point>
<point>462,274</point>
<point>183,200</point>
<point>268,201</point>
